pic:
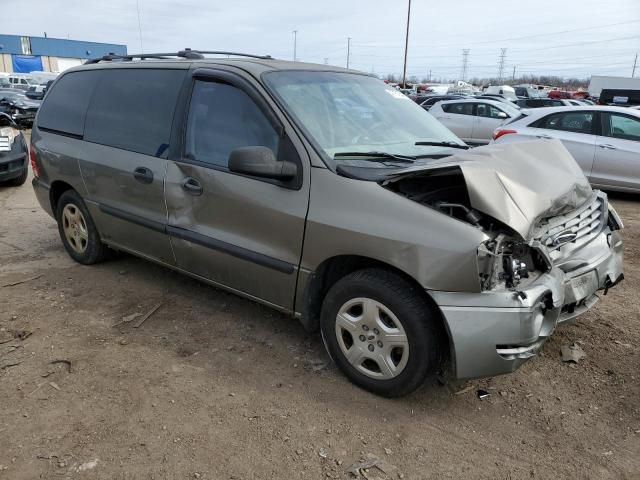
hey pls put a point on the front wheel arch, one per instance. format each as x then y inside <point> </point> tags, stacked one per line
<point>335,268</point>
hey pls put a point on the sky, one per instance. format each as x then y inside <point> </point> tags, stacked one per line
<point>567,38</point>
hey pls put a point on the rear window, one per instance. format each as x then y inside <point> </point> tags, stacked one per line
<point>65,106</point>
<point>458,108</point>
<point>132,109</point>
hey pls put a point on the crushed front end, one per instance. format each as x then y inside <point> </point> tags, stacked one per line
<point>552,244</point>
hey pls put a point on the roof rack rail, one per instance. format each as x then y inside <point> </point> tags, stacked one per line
<point>186,53</point>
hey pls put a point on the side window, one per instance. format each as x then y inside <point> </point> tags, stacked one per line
<point>489,111</point>
<point>65,106</point>
<point>221,119</point>
<point>621,126</point>
<point>577,122</point>
<point>458,108</point>
<point>132,109</point>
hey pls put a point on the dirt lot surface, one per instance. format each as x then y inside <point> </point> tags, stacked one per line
<point>215,387</point>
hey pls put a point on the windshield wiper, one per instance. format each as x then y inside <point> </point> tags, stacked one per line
<point>376,156</point>
<point>443,144</point>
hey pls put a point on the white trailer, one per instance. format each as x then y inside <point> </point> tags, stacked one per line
<point>599,82</point>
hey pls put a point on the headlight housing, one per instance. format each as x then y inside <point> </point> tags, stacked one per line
<point>614,220</point>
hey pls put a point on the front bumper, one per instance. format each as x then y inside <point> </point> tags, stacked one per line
<point>12,165</point>
<point>495,332</point>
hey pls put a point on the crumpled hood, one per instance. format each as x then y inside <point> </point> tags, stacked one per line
<point>519,183</point>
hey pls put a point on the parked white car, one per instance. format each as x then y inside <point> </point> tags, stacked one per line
<point>605,141</point>
<point>474,120</point>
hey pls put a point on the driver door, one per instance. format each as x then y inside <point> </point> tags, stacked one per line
<point>241,232</point>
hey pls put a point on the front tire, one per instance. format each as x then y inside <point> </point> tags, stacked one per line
<point>381,331</point>
<point>77,230</point>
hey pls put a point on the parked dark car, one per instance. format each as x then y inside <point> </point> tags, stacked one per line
<point>431,100</point>
<point>619,97</point>
<point>18,106</point>
<point>13,153</point>
<point>541,102</point>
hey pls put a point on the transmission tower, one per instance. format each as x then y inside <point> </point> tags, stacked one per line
<point>465,64</point>
<point>503,56</point>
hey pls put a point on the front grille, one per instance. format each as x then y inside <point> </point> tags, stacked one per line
<point>568,232</point>
<point>5,146</point>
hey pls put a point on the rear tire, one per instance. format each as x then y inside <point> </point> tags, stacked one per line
<point>77,231</point>
<point>381,331</point>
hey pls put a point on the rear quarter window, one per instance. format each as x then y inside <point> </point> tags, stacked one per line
<point>132,109</point>
<point>65,106</point>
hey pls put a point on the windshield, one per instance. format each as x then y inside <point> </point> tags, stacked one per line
<point>345,112</point>
<point>512,110</point>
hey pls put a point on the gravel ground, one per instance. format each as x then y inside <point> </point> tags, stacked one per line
<point>216,387</point>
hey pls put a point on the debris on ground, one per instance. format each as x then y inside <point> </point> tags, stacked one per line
<point>482,394</point>
<point>626,345</point>
<point>127,319</point>
<point>572,353</point>
<point>358,469</point>
<point>9,364</point>
<point>21,334</point>
<point>19,282</point>
<point>54,385</point>
<point>65,362</point>
<point>322,453</point>
<point>464,390</point>
<point>146,316</point>
<point>88,465</point>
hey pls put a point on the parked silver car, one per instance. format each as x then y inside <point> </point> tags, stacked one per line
<point>328,195</point>
<point>474,120</point>
<point>605,141</point>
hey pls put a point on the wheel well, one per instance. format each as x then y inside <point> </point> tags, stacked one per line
<point>333,269</point>
<point>56,191</point>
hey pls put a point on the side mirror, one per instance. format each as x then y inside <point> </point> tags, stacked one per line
<point>260,162</point>
<point>502,115</point>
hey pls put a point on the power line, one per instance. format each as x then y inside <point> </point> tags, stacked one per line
<point>487,42</point>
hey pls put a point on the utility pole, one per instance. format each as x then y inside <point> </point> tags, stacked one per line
<point>326,60</point>
<point>465,63</point>
<point>503,55</point>
<point>139,25</point>
<point>348,50</point>
<point>429,75</point>
<point>635,61</point>
<point>406,47</point>
<point>295,45</point>
<point>513,76</point>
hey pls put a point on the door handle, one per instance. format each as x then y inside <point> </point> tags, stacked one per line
<point>143,175</point>
<point>545,137</point>
<point>608,146</point>
<point>192,186</point>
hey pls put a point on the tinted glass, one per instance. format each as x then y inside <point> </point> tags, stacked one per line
<point>489,111</point>
<point>459,108</point>
<point>622,126</point>
<point>577,122</point>
<point>221,119</point>
<point>133,109</point>
<point>66,104</point>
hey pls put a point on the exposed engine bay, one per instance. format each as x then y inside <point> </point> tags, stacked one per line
<point>506,260</point>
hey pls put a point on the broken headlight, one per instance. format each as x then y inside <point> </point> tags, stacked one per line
<point>504,262</point>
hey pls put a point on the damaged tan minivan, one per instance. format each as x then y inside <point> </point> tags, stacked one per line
<point>332,197</point>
